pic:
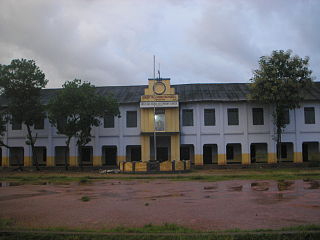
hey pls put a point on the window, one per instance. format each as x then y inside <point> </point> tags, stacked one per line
<point>209,117</point>
<point>286,116</point>
<point>39,124</point>
<point>131,119</point>
<point>159,119</point>
<point>187,117</point>
<point>108,121</point>
<point>233,116</point>
<point>257,116</point>
<point>16,125</point>
<point>309,116</point>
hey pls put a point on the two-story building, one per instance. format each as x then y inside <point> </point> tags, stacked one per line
<point>204,123</point>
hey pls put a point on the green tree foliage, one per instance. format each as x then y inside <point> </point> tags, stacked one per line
<point>21,82</point>
<point>76,109</point>
<point>281,81</point>
<point>3,122</point>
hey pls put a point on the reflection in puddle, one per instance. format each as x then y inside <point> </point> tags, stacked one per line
<point>209,187</point>
<point>284,185</point>
<point>312,184</point>
<point>10,184</point>
<point>260,186</point>
<point>236,188</point>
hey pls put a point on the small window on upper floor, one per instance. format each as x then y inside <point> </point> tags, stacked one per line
<point>209,117</point>
<point>39,124</point>
<point>233,116</point>
<point>309,115</point>
<point>286,116</point>
<point>131,119</point>
<point>16,125</point>
<point>257,116</point>
<point>187,117</point>
<point>108,121</point>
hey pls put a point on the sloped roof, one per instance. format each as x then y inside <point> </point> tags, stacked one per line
<point>219,92</point>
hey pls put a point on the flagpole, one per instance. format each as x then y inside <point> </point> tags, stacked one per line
<point>154,113</point>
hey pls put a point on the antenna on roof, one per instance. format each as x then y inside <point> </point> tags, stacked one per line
<point>159,72</point>
<point>154,67</point>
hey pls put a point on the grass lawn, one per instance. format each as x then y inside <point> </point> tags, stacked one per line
<point>42,177</point>
<point>166,231</point>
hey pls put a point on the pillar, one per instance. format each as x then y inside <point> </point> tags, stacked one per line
<point>175,147</point>
<point>145,148</point>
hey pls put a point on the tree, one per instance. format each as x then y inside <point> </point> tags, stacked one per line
<point>80,108</point>
<point>3,122</point>
<point>281,81</point>
<point>21,82</point>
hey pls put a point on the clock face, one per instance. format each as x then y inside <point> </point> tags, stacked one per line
<point>159,88</point>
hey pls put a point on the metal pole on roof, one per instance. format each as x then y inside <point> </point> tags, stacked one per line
<point>154,113</point>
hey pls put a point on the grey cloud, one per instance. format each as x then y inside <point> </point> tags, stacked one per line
<point>112,42</point>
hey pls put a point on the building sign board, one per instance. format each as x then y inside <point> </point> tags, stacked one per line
<point>159,98</point>
<point>159,104</point>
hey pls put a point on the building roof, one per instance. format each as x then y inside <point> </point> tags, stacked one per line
<point>218,92</point>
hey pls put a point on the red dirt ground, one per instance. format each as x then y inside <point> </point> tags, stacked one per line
<point>201,205</point>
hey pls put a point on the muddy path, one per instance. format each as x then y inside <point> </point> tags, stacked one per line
<point>244,204</point>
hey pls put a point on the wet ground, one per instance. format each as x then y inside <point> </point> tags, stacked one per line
<point>203,205</point>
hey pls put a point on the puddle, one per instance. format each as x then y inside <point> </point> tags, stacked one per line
<point>167,196</point>
<point>209,187</point>
<point>236,188</point>
<point>10,184</point>
<point>260,186</point>
<point>312,184</point>
<point>284,185</point>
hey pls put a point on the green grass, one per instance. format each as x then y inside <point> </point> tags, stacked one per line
<point>157,232</point>
<point>195,175</point>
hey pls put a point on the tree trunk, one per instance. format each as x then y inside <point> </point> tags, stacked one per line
<point>279,142</point>
<point>34,155</point>
<point>66,156</point>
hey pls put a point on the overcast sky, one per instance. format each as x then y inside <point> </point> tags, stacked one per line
<point>112,42</point>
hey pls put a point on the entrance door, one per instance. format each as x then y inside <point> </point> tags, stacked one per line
<point>305,154</point>
<point>110,155</point>
<point>162,154</point>
<point>207,154</point>
<point>253,153</point>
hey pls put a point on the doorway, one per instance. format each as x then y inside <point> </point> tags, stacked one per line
<point>109,155</point>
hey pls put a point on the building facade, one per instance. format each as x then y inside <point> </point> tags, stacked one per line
<point>204,123</point>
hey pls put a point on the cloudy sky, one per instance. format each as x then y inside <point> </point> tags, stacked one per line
<point>112,42</point>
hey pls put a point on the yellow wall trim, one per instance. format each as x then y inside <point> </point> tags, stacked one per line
<point>222,159</point>
<point>97,161</point>
<point>166,166</point>
<point>297,157</point>
<point>50,161</point>
<point>198,160</point>
<point>5,162</point>
<point>27,161</point>
<point>73,161</point>
<point>120,159</point>
<point>246,158</point>
<point>272,158</point>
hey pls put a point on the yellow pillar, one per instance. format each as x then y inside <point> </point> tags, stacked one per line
<point>272,158</point>
<point>198,161</point>
<point>50,161</point>
<point>222,159</point>
<point>175,147</point>
<point>97,161</point>
<point>5,161</point>
<point>73,161</point>
<point>245,158</point>
<point>145,148</point>
<point>297,157</point>
<point>27,161</point>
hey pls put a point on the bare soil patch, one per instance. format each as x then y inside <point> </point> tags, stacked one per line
<point>243,204</point>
